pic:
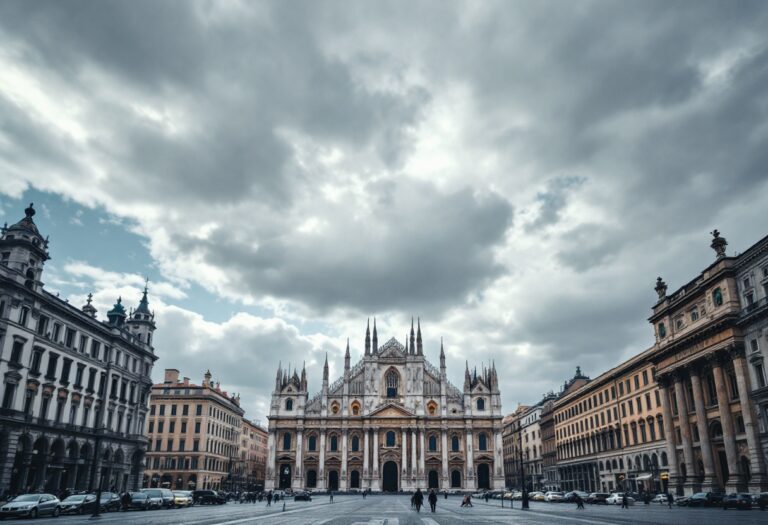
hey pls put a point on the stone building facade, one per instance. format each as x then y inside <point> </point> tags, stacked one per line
<point>392,422</point>
<point>194,435</point>
<point>701,358</point>
<point>74,388</point>
<point>253,455</point>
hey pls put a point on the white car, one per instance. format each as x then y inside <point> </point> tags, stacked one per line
<point>615,499</point>
<point>553,496</point>
<point>659,498</point>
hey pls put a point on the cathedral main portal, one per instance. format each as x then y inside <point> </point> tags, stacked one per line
<point>389,483</point>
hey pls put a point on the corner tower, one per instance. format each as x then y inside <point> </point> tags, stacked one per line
<point>24,250</point>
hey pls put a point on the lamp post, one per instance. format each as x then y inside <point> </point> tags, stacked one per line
<point>522,478</point>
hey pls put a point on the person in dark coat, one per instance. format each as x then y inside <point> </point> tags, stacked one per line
<point>624,502</point>
<point>579,502</point>
<point>670,499</point>
<point>126,500</point>
<point>432,500</point>
<point>418,500</point>
<point>269,498</point>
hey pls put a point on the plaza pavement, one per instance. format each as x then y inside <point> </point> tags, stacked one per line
<point>396,510</point>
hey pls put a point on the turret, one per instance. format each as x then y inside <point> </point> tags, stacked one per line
<point>413,339</point>
<point>116,315</point>
<point>207,379</point>
<point>88,308</point>
<point>142,321</point>
<point>24,250</point>
<point>346,359</point>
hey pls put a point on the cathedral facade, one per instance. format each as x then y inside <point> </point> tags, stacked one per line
<point>392,422</point>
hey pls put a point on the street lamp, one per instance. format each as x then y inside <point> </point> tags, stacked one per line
<point>522,477</point>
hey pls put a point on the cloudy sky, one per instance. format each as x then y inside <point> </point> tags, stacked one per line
<point>516,174</point>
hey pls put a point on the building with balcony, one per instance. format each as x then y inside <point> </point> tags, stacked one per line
<point>74,387</point>
<point>194,435</point>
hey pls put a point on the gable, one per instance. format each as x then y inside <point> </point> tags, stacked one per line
<point>391,410</point>
<point>392,349</point>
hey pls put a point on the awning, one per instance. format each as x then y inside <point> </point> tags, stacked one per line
<point>643,477</point>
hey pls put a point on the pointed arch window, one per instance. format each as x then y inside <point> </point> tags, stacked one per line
<point>355,444</point>
<point>334,443</point>
<point>454,443</point>
<point>392,380</point>
<point>432,443</point>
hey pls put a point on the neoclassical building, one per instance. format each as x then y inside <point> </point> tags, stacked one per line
<point>392,422</point>
<point>74,387</point>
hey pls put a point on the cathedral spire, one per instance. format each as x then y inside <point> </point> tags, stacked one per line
<point>406,344</point>
<point>467,380</point>
<point>346,357</point>
<point>442,354</point>
<point>279,376</point>
<point>419,347</point>
<point>413,338</point>
<point>325,369</point>
<point>375,337</point>
<point>368,338</point>
<point>304,376</point>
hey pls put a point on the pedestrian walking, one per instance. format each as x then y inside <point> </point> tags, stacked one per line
<point>624,502</point>
<point>418,499</point>
<point>432,500</point>
<point>579,502</point>
<point>331,493</point>
<point>670,499</point>
<point>446,494</point>
<point>269,498</point>
<point>647,498</point>
<point>126,501</point>
<point>486,497</point>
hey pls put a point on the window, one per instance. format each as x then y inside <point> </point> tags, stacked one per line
<point>170,444</point>
<point>432,443</point>
<point>679,323</point>
<point>482,441</point>
<point>23,316</point>
<point>717,297</point>
<point>390,439</point>
<point>160,425</point>
<point>83,343</point>
<point>66,367</point>
<point>662,331</point>
<point>312,443</point>
<point>197,427</point>
<point>95,349</point>
<point>286,441</point>
<point>732,383</point>
<point>162,410</point>
<point>760,375</point>
<point>79,375</point>
<point>183,427</point>
<point>69,338</point>
<point>289,404</point>
<point>199,411</point>
<point>37,359</point>
<point>455,443</point>
<point>151,427</point>
<point>355,443</point>
<point>334,443</point>
<point>16,351</point>
<point>481,404</point>
<point>392,381</point>
<point>645,377</point>
<point>172,427</point>
<point>10,390</point>
<point>173,410</point>
<point>694,315</point>
<point>42,325</point>
<point>185,410</point>
<point>53,361</point>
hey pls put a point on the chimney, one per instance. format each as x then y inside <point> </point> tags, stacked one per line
<point>186,381</point>
<point>171,375</point>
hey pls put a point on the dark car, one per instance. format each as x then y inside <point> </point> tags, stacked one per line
<point>138,501</point>
<point>79,504</point>
<point>598,498</point>
<point>208,497</point>
<point>761,500</point>
<point>737,501</point>
<point>110,501</point>
<point>302,496</point>
<point>160,494</point>
<point>705,499</point>
<point>30,506</point>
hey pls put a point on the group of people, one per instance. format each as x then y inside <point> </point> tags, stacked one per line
<point>417,500</point>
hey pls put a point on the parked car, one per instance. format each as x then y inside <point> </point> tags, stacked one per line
<point>183,498</point>
<point>737,501</point>
<point>659,498</point>
<point>616,498</point>
<point>761,500</point>
<point>302,496</point>
<point>208,497</point>
<point>682,501</point>
<point>705,499</point>
<point>158,499</point>
<point>553,496</point>
<point>31,506</point>
<point>139,501</point>
<point>536,496</point>
<point>597,498</point>
<point>78,504</point>
<point>110,501</point>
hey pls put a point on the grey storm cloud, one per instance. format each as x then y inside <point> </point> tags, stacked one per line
<point>283,144</point>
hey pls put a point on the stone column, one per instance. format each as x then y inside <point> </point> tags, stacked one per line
<point>343,480</point>
<point>444,443</point>
<point>366,453</point>
<point>414,466</point>
<point>726,421</point>
<point>498,461</point>
<point>375,485</point>
<point>710,481</point>
<point>757,466</point>
<point>271,473</point>
<point>422,457</point>
<point>404,457</point>
<point>321,467</point>
<point>685,433</point>
<point>669,431</point>
<point>470,470</point>
<point>297,474</point>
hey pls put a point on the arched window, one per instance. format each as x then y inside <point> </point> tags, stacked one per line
<point>286,441</point>
<point>482,441</point>
<point>716,430</point>
<point>390,439</point>
<point>481,404</point>
<point>289,404</point>
<point>355,408</point>
<point>600,465</point>
<point>312,443</point>
<point>717,297</point>
<point>355,444</point>
<point>454,443</point>
<point>392,383</point>
<point>662,331</point>
<point>334,443</point>
<point>664,461</point>
<point>432,443</point>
